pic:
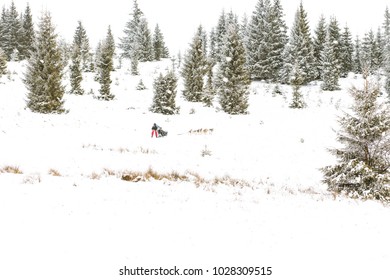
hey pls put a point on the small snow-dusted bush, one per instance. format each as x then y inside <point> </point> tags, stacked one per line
<point>205,152</point>
<point>32,178</point>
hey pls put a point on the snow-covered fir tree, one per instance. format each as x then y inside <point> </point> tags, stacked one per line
<point>11,26</point>
<point>257,44</point>
<point>335,40</point>
<point>278,40</point>
<point>81,41</point>
<point>346,52</point>
<point>165,90</point>
<point>159,49</point>
<point>141,85</point>
<point>363,161</point>
<point>386,50</point>
<point>27,34</point>
<point>296,82</point>
<point>43,77</point>
<point>209,88</point>
<point>145,42</point>
<point>299,50</point>
<point>129,44</point>
<point>357,56</point>
<point>105,66</point>
<point>76,76</point>
<point>368,52</point>
<point>233,78</point>
<point>3,63</point>
<point>330,66</point>
<point>219,35</point>
<point>319,43</point>
<point>194,69</point>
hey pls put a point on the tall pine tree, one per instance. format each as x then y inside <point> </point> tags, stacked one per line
<point>233,78</point>
<point>299,50</point>
<point>195,68</point>
<point>44,73</point>
<point>105,66</point>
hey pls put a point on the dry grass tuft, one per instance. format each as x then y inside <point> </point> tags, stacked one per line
<point>11,169</point>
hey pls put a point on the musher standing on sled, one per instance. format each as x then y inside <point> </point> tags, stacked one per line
<point>154,130</point>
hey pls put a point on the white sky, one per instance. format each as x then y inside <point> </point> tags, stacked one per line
<point>178,19</point>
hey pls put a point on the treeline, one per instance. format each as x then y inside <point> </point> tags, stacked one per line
<point>275,54</point>
<point>217,64</point>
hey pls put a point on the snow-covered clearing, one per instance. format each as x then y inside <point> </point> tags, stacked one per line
<point>252,196</point>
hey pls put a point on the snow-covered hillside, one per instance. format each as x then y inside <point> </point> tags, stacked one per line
<point>250,192</point>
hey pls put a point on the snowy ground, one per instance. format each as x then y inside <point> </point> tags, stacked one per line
<point>87,223</point>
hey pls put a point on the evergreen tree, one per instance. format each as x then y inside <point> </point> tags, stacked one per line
<point>357,57</point>
<point>299,50</point>
<point>330,65</point>
<point>27,34</point>
<point>363,163</point>
<point>296,81</point>
<point>194,69</point>
<point>209,89</point>
<point>219,35</point>
<point>257,48</point>
<point>76,76</point>
<point>277,38</point>
<point>81,41</point>
<point>159,48</point>
<point>233,79</point>
<point>386,51</point>
<point>110,44</point>
<point>44,73</point>
<point>346,52</point>
<point>369,49</point>
<point>165,94</point>
<point>145,42</point>
<point>130,43</point>
<point>3,63</point>
<point>105,66</point>
<point>335,40</point>
<point>11,28</point>
<point>319,43</point>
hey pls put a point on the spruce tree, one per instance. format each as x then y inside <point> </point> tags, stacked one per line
<point>357,57</point>
<point>330,65</point>
<point>75,72</point>
<point>44,73</point>
<point>27,35</point>
<point>81,40</point>
<point>319,43</point>
<point>3,63</point>
<point>219,35</point>
<point>299,50</point>
<point>363,161</point>
<point>386,51</point>
<point>11,29</point>
<point>130,43</point>
<point>105,66</point>
<point>233,78</point>
<point>257,44</point>
<point>158,44</point>
<point>346,52</point>
<point>165,94</point>
<point>194,69</point>
<point>296,82</point>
